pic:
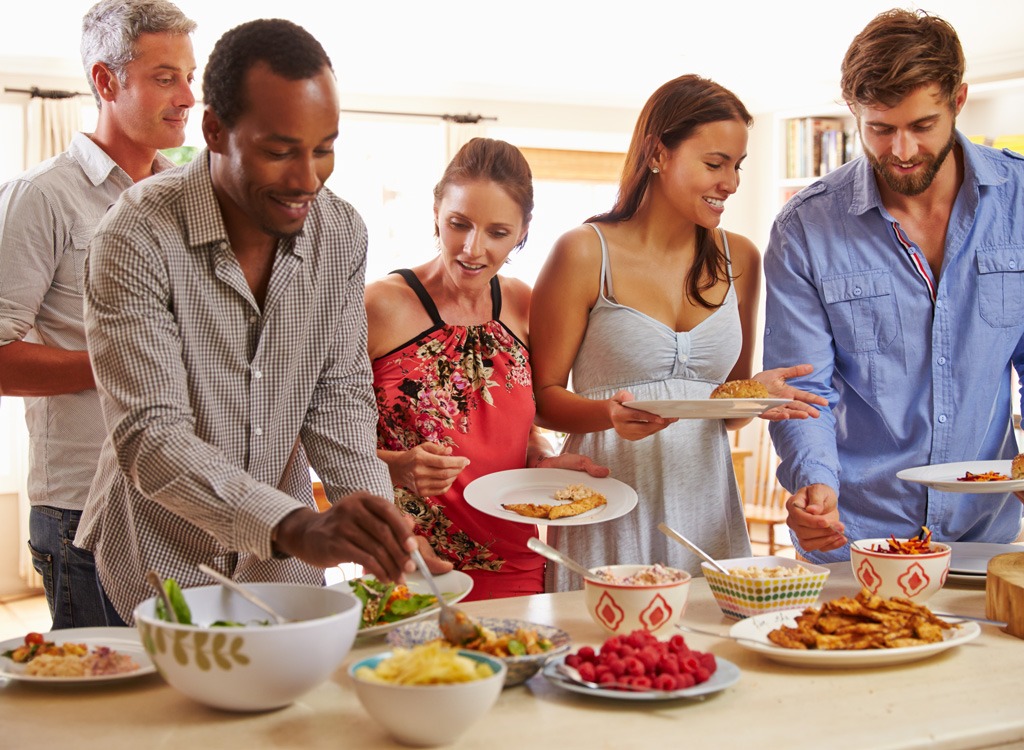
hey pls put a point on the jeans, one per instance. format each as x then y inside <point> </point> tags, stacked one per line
<point>73,590</point>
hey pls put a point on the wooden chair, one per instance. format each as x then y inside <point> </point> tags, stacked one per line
<point>766,504</point>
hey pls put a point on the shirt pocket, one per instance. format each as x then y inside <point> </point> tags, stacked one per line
<point>70,273</point>
<point>1001,285</point>
<point>861,309</point>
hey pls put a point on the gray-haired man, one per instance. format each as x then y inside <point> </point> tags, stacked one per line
<point>138,57</point>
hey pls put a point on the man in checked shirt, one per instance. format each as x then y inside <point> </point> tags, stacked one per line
<point>138,57</point>
<point>225,321</point>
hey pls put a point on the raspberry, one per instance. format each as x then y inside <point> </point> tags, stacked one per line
<point>684,681</point>
<point>634,666</point>
<point>586,653</point>
<point>664,682</point>
<point>573,660</point>
<point>587,671</point>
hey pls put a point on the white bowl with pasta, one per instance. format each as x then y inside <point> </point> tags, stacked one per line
<point>432,712</point>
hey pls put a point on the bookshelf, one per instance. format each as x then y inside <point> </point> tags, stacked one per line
<point>810,145</point>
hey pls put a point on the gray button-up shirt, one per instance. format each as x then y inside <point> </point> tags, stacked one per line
<point>212,404</point>
<point>47,217</point>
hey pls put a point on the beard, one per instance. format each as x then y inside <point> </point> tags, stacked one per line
<point>918,182</point>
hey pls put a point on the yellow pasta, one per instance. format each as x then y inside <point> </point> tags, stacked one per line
<point>431,663</point>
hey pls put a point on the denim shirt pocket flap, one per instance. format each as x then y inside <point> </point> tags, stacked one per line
<point>1001,284</point>
<point>861,309</point>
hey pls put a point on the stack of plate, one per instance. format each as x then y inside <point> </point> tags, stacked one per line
<point>969,561</point>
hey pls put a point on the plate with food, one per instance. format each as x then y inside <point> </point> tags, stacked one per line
<point>550,497</point>
<point>75,656</point>
<point>919,633</point>
<point>726,675</point>
<point>388,605</point>
<point>719,408</point>
<point>971,477</point>
<point>523,646</point>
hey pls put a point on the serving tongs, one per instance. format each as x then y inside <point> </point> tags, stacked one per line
<point>456,626</point>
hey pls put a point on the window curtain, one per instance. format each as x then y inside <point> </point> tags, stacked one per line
<point>49,127</point>
<point>457,134</point>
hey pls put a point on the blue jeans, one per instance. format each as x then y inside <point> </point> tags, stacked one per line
<point>73,590</point>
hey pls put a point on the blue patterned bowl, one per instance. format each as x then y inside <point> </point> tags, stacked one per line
<point>520,668</point>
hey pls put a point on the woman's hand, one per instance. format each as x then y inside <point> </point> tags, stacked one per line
<point>633,424</point>
<point>575,462</point>
<point>800,406</point>
<point>427,470</point>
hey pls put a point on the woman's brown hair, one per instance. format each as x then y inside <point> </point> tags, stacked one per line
<point>673,114</point>
<point>496,161</point>
<point>898,52</point>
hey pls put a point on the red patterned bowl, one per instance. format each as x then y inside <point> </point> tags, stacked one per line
<point>621,608</point>
<point>914,577</point>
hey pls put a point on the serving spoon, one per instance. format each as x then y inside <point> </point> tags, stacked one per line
<point>456,626</point>
<point>554,555</point>
<point>243,592</point>
<point>153,579</point>
<point>673,534</point>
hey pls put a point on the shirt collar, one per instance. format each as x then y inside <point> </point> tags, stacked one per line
<point>204,222</point>
<point>977,171</point>
<point>98,165</point>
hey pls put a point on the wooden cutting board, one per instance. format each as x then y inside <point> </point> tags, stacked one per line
<point>1004,591</point>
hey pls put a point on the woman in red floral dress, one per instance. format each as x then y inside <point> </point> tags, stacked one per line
<point>449,344</point>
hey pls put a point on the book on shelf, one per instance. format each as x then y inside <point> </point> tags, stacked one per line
<point>817,145</point>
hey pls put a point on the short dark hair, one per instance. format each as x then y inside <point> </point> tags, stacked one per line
<point>496,161</point>
<point>898,52</point>
<point>288,49</point>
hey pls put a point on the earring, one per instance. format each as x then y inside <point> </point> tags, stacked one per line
<point>655,170</point>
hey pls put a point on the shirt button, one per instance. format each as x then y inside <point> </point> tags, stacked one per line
<point>768,331</point>
<point>857,291</point>
<point>1012,264</point>
<point>942,360</point>
<point>253,319</point>
<point>683,358</point>
<point>222,245</point>
<point>938,303</point>
<point>942,419</point>
<point>259,430</point>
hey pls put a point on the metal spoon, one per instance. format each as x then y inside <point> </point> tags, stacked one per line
<point>554,555</point>
<point>456,626</point>
<point>243,592</point>
<point>153,579</point>
<point>673,534</point>
<point>573,675</point>
<point>689,629</point>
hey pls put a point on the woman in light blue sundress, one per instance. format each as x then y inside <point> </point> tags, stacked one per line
<point>652,301</point>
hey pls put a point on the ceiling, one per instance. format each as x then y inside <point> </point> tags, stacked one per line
<point>775,54</point>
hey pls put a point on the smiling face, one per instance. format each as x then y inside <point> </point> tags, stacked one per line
<point>907,145</point>
<point>269,166</point>
<point>478,224</point>
<point>151,106</point>
<point>701,172</point>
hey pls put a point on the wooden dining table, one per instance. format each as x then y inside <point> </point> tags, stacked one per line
<point>969,696</point>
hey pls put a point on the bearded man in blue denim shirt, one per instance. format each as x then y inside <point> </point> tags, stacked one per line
<point>900,277</point>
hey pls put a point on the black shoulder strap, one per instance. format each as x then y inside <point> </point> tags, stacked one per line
<point>495,299</point>
<point>415,284</point>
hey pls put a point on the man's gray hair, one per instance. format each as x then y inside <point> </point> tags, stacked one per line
<point>112,27</point>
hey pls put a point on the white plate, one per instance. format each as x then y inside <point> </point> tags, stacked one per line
<point>708,408</point>
<point>488,493</point>
<point>724,676</point>
<point>122,640</point>
<point>756,630</point>
<point>971,558</point>
<point>944,477</point>
<point>454,582</point>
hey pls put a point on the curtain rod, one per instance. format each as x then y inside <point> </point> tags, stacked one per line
<point>36,92</point>
<point>465,119</point>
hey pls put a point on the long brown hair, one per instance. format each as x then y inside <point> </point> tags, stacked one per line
<point>670,116</point>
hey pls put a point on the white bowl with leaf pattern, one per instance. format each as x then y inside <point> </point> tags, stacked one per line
<point>255,666</point>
